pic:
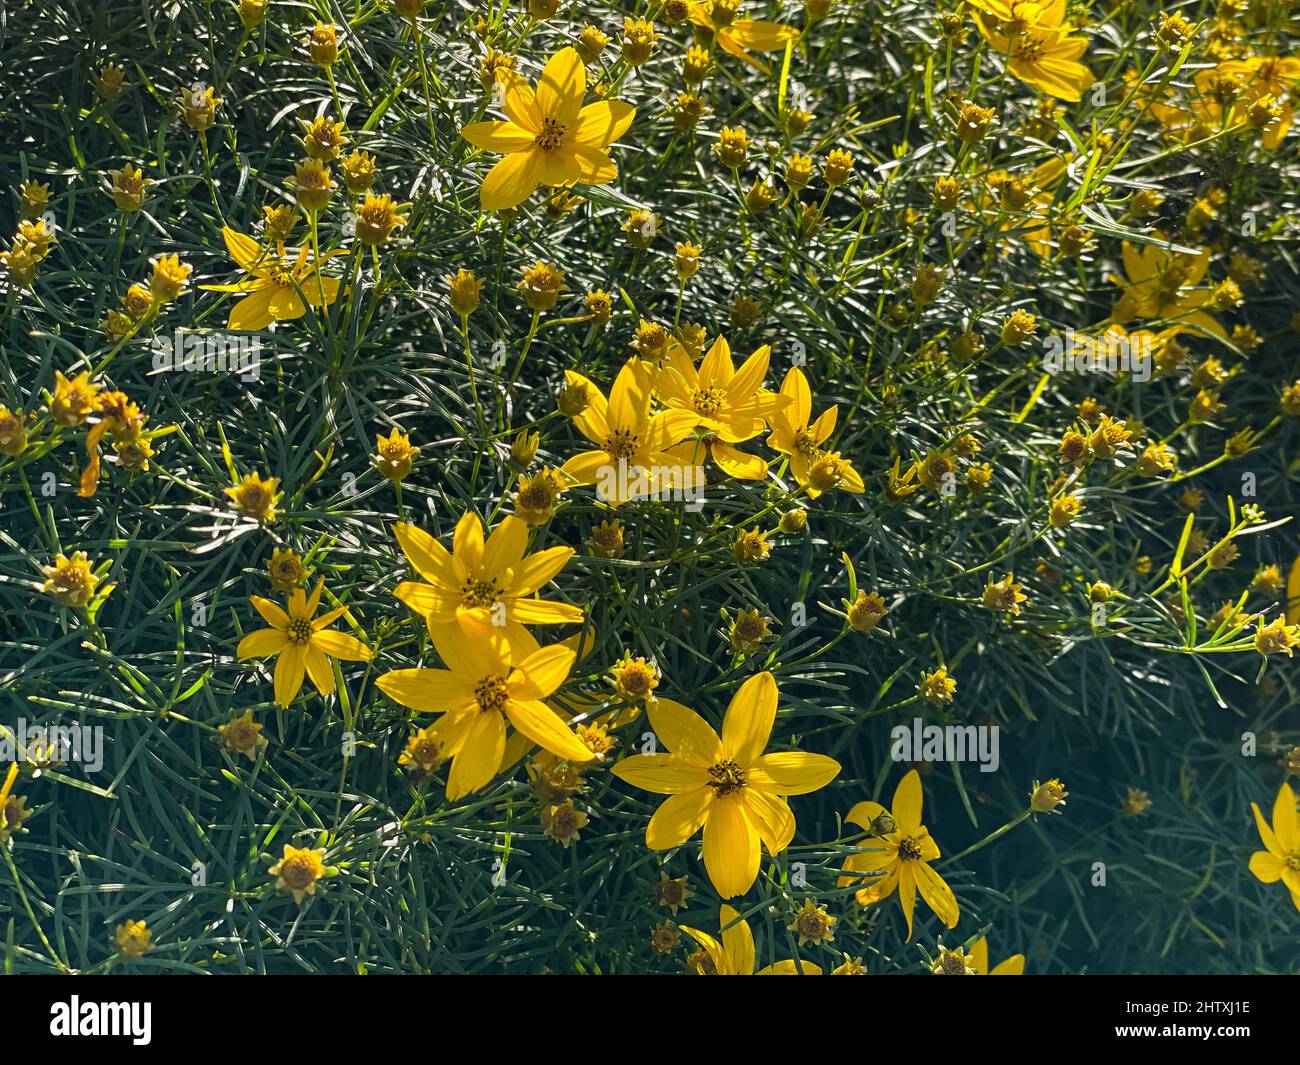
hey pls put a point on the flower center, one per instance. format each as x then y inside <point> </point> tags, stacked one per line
<point>280,276</point>
<point>551,136</point>
<point>709,400</point>
<point>297,873</point>
<point>1026,48</point>
<point>909,849</point>
<point>477,592</point>
<point>300,630</point>
<point>491,693</point>
<point>725,777</point>
<point>1293,861</point>
<point>622,444</point>
<point>804,443</point>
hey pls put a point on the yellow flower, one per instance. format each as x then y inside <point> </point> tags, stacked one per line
<point>13,431</point>
<point>812,924</point>
<point>1045,798</point>
<point>1040,54</point>
<point>953,963</point>
<point>937,686</point>
<point>199,106</point>
<point>730,405</point>
<point>541,284</point>
<point>865,612</point>
<point>393,455</point>
<point>129,186</point>
<point>133,938</point>
<point>638,40</point>
<point>549,138</point>
<point>734,954</point>
<point>748,632</point>
<point>377,217</point>
<point>562,822</point>
<point>323,44</point>
<point>632,448</point>
<point>979,959</point>
<point>725,784</point>
<point>1004,595</point>
<point>242,735</point>
<point>256,497</point>
<point>493,583</point>
<point>1280,858</point>
<point>298,870</point>
<point>672,892</point>
<point>301,643</point>
<point>900,858</point>
<point>1262,77</point>
<point>1160,283</point>
<point>285,569</point>
<point>739,37</point>
<point>795,435</point>
<point>1064,510</point>
<point>1277,637</point>
<point>73,401</point>
<point>464,288</point>
<point>485,686</point>
<point>278,290</point>
<point>71,580</point>
<point>423,750</point>
<point>537,495</point>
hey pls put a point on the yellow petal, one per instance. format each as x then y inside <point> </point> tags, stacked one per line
<point>678,818</point>
<point>561,87</point>
<point>663,774</point>
<point>243,249</point>
<point>935,890</point>
<point>737,942</point>
<point>289,670</point>
<point>500,137</point>
<point>539,723</point>
<point>511,181</point>
<point>341,646</point>
<point>431,560</point>
<point>544,612</point>
<point>772,818</point>
<point>271,613</point>
<point>432,691</point>
<point>683,732</point>
<point>261,644</point>
<point>731,848</point>
<point>1284,819</point>
<point>319,670</point>
<point>537,569</point>
<point>600,124</point>
<point>794,773</point>
<point>907,803</point>
<point>747,725</point>
<point>476,762</point>
<point>542,672</point>
<point>505,547</point>
<point>253,312</point>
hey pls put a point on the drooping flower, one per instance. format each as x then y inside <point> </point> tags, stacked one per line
<point>632,458</point>
<point>485,685</point>
<point>900,858</point>
<point>549,137</point>
<point>733,953</point>
<point>731,405</point>
<point>493,582</point>
<point>1280,858</point>
<point>301,643</point>
<point>725,785</point>
<point>279,290</point>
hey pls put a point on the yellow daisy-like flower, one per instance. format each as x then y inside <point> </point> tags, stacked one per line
<point>493,582</point>
<point>298,870</point>
<point>1161,283</point>
<point>279,290</point>
<point>301,643</point>
<point>979,958</point>
<point>632,457</point>
<point>731,405</point>
<point>739,37</point>
<point>900,860</point>
<point>733,954</point>
<point>1040,54</point>
<point>725,784</point>
<point>485,685</point>
<point>797,434</point>
<point>1280,858</point>
<point>1267,76</point>
<point>549,137</point>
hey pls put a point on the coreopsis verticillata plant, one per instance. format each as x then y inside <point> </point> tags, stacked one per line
<point>493,581</point>
<point>548,137</point>
<point>278,289</point>
<point>485,685</point>
<point>725,784</point>
<point>301,643</point>
<point>732,952</point>
<point>899,857</point>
